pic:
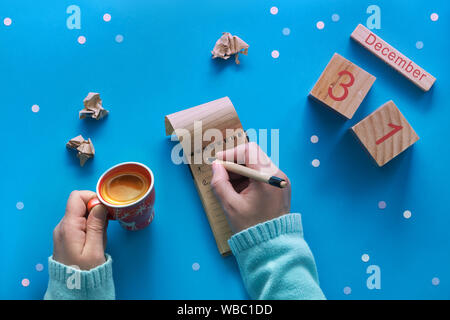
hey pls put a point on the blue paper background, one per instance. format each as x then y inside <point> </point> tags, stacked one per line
<point>164,65</point>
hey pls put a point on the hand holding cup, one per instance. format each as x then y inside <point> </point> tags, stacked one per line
<point>79,240</point>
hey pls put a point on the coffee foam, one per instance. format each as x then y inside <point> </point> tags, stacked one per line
<point>124,188</point>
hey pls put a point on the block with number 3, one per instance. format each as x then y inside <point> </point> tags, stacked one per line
<point>385,133</point>
<point>342,86</point>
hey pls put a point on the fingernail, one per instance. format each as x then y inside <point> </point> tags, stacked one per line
<point>213,166</point>
<point>100,212</point>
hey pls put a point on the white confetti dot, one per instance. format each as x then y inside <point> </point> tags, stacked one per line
<point>195,266</point>
<point>119,38</point>
<point>419,45</point>
<point>81,39</point>
<point>335,17</point>
<point>347,290</point>
<point>407,214</point>
<point>382,205</point>
<point>314,139</point>
<point>286,31</point>
<point>320,25</point>
<point>434,17</point>
<point>35,108</point>
<point>39,267</point>
<point>365,257</point>
<point>435,281</point>
<point>274,10</point>
<point>25,282</point>
<point>7,22</point>
<point>315,163</point>
<point>19,205</point>
<point>275,54</point>
<point>107,17</point>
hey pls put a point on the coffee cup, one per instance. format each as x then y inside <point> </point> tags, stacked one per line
<point>127,190</point>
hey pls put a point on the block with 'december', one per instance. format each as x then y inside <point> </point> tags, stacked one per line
<point>385,133</point>
<point>342,86</point>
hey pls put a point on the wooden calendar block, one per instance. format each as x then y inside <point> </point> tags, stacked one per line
<point>385,133</point>
<point>342,86</point>
<point>393,57</point>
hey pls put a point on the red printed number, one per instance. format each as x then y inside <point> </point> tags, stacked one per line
<point>343,85</point>
<point>394,130</point>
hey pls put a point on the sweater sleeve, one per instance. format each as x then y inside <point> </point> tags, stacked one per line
<point>275,261</point>
<point>69,283</point>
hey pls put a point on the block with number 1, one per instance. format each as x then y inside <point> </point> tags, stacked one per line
<point>342,86</point>
<point>385,133</point>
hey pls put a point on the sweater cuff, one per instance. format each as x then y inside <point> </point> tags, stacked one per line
<point>89,279</point>
<point>287,224</point>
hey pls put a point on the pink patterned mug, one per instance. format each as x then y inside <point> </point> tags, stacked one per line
<point>127,190</point>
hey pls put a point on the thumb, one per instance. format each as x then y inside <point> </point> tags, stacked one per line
<point>96,229</point>
<point>221,185</point>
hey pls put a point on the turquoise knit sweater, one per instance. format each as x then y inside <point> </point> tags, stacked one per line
<point>274,260</point>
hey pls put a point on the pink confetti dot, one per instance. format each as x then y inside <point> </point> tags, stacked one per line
<point>435,281</point>
<point>347,290</point>
<point>315,163</point>
<point>365,257</point>
<point>434,17</point>
<point>119,38</point>
<point>275,54</point>
<point>25,282</point>
<point>20,205</point>
<point>39,267</point>
<point>407,214</point>
<point>195,266</point>
<point>274,10</point>
<point>81,39</point>
<point>382,205</point>
<point>35,108</point>
<point>286,31</point>
<point>7,22</point>
<point>320,25</point>
<point>314,139</point>
<point>107,17</point>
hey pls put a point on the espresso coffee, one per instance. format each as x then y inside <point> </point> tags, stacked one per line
<point>124,188</point>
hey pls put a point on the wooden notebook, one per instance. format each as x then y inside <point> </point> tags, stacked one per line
<point>221,116</point>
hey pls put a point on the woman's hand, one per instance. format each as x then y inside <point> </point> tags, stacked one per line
<point>248,202</point>
<point>80,239</point>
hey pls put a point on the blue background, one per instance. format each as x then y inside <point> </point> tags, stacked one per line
<point>163,65</point>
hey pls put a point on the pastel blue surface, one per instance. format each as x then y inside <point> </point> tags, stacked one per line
<point>163,65</point>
